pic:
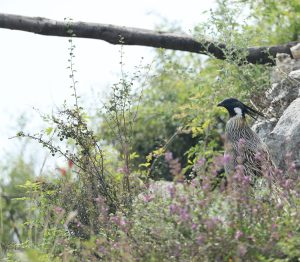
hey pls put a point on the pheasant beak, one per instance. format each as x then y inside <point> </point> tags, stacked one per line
<point>220,104</point>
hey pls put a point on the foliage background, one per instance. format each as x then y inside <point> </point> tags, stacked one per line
<point>159,123</point>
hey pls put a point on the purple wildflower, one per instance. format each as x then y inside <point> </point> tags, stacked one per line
<point>288,184</point>
<point>211,223</point>
<point>119,221</point>
<point>122,221</point>
<point>148,198</point>
<point>238,234</point>
<point>275,236</point>
<point>274,226</point>
<point>184,215</point>
<point>241,143</point>
<point>102,249</point>
<point>200,240</point>
<point>173,209</point>
<point>219,161</point>
<point>258,156</point>
<point>183,200</point>
<point>168,156</point>
<point>239,173</point>
<point>202,203</point>
<point>242,250</point>
<point>200,162</point>
<point>194,183</point>
<point>227,158</point>
<point>172,190</point>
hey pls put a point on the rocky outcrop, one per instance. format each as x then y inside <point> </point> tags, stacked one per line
<point>281,132</point>
<point>284,140</point>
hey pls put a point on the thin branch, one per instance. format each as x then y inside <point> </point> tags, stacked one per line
<point>134,36</point>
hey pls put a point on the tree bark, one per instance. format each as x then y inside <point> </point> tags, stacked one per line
<point>136,36</point>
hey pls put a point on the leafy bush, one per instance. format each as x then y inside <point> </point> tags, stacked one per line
<point>13,206</point>
<point>175,222</point>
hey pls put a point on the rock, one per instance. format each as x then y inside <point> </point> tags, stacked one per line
<point>295,74</point>
<point>284,90</point>
<point>284,65</point>
<point>282,131</point>
<point>285,137</point>
<point>264,127</point>
<point>296,51</point>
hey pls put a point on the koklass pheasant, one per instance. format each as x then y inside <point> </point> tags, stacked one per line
<point>242,144</point>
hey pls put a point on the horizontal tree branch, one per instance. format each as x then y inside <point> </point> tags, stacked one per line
<point>136,36</point>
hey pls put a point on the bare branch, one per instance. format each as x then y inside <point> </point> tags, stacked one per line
<point>136,36</point>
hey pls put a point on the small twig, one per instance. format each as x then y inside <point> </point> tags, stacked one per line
<point>164,148</point>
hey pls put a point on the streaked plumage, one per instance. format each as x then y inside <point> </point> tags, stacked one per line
<point>242,144</point>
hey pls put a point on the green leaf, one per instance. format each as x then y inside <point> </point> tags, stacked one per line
<point>145,165</point>
<point>48,130</point>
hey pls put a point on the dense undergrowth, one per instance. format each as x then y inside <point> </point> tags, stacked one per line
<point>159,123</point>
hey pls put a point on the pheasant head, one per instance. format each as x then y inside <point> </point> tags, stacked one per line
<point>237,108</point>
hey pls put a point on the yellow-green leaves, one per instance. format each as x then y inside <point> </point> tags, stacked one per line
<point>48,130</point>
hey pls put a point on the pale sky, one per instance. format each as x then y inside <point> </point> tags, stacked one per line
<point>33,67</point>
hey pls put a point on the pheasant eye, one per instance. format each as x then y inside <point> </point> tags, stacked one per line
<point>238,111</point>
